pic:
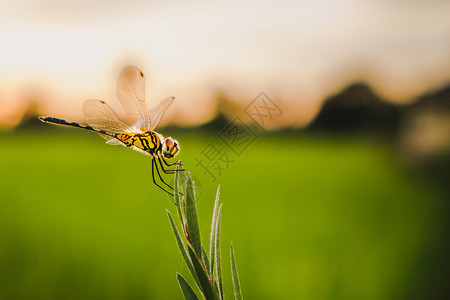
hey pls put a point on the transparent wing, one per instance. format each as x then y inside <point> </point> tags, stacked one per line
<point>111,141</point>
<point>131,94</point>
<point>156,114</point>
<point>158,111</point>
<point>101,116</point>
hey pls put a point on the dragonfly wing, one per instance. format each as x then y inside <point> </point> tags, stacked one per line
<point>111,141</point>
<point>131,94</point>
<point>157,112</point>
<point>101,116</point>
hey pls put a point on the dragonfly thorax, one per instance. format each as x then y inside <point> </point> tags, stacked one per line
<point>149,142</point>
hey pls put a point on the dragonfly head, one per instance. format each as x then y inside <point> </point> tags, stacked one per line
<point>170,147</point>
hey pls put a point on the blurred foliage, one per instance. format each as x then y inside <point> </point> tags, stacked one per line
<point>357,108</point>
<point>313,217</point>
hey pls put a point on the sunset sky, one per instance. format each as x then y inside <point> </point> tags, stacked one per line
<point>298,52</point>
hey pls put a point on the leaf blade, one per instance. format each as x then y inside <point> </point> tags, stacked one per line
<point>212,238</point>
<point>182,248</point>
<point>186,289</point>
<point>179,202</point>
<point>193,229</point>
<point>206,261</point>
<point>235,277</point>
<point>205,285</point>
<point>218,254</point>
<point>177,186</point>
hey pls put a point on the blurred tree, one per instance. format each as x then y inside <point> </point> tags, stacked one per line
<point>356,108</point>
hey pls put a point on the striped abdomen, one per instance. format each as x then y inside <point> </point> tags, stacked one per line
<point>63,122</point>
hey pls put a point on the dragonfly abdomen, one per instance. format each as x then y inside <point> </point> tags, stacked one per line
<point>62,122</point>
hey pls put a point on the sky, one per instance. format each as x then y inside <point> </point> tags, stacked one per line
<point>298,52</point>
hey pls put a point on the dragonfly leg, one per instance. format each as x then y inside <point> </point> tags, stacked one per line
<point>166,171</point>
<point>161,157</point>
<point>169,165</point>
<point>162,167</point>
<point>153,176</point>
<point>160,177</point>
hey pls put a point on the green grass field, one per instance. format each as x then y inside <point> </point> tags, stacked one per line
<point>310,218</point>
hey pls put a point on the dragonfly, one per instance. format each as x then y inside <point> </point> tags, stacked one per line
<point>141,136</point>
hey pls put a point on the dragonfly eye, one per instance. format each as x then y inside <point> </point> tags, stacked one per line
<point>170,147</point>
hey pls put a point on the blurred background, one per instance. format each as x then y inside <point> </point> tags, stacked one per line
<point>326,123</point>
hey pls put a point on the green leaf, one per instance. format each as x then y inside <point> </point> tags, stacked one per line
<point>212,238</point>
<point>192,219</point>
<point>205,285</point>
<point>216,289</point>
<point>186,289</point>
<point>177,186</point>
<point>206,261</point>
<point>182,248</point>
<point>182,186</point>
<point>178,197</point>
<point>218,255</point>
<point>234,273</point>
<point>183,180</point>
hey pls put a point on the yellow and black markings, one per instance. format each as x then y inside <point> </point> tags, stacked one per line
<point>147,141</point>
